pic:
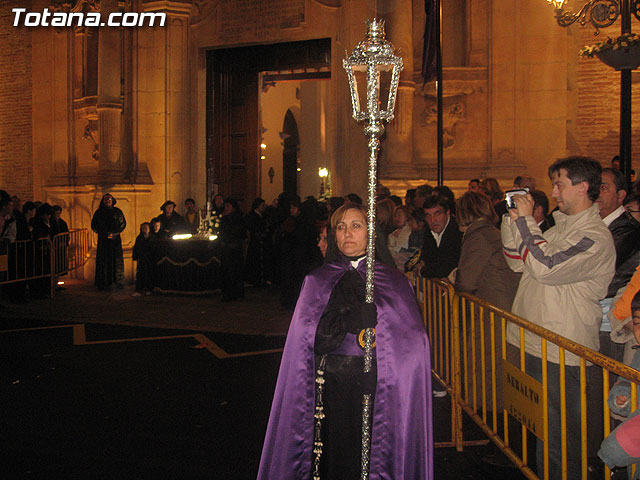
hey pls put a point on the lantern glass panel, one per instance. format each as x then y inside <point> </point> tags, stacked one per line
<point>384,73</point>
<point>360,75</point>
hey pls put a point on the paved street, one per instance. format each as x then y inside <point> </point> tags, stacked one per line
<point>111,386</point>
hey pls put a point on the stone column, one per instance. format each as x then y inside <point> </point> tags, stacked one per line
<point>109,98</point>
<point>163,96</point>
<point>397,147</point>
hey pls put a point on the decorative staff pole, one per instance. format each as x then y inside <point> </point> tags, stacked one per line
<point>374,62</point>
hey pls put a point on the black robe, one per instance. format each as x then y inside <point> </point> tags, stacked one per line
<point>143,255</point>
<point>258,249</point>
<point>232,235</point>
<point>440,260</point>
<point>345,380</point>
<point>108,223</point>
<point>169,226</point>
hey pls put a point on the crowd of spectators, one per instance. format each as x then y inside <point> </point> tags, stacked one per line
<point>569,270</point>
<point>22,227</point>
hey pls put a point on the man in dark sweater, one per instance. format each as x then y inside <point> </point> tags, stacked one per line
<point>442,241</point>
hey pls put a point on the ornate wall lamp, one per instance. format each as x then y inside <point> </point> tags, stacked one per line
<point>601,14</point>
<point>373,71</point>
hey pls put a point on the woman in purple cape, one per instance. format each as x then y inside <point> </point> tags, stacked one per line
<point>321,373</point>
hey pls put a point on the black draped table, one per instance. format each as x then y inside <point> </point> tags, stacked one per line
<point>187,266</point>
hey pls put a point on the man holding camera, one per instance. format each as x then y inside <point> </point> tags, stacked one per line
<point>566,272</point>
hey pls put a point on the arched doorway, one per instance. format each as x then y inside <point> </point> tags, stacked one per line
<point>233,137</point>
<point>291,142</point>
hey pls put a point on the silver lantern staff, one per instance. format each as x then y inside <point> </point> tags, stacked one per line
<point>374,58</point>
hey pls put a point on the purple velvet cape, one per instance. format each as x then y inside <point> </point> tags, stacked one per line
<point>402,440</point>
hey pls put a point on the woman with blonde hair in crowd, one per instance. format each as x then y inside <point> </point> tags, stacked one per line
<point>384,217</point>
<point>491,188</point>
<point>398,240</point>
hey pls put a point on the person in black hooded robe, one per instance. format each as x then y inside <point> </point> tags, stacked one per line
<point>42,233</point>
<point>171,222</point>
<point>255,271</point>
<point>232,236</point>
<point>109,222</point>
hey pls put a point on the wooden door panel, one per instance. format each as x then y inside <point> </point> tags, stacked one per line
<point>233,143</point>
<point>235,129</point>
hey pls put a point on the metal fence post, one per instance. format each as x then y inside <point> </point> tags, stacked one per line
<point>456,414</point>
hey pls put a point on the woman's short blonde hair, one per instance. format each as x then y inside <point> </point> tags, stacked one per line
<point>341,211</point>
<point>472,206</point>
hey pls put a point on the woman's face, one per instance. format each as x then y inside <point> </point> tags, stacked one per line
<point>322,241</point>
<point>399,218</point>
<point>228,209</point>
<point>351,234</point>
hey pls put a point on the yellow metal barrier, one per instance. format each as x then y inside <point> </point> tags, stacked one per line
<point>44,258</point>
<point>435,301</point>
<point>486,377</point>
<point>71,250</point>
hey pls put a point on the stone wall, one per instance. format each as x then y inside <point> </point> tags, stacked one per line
<point>16,166</point>
<point>597,109</point>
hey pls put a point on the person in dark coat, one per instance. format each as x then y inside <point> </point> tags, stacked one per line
<point>108,222</point>
<point>41,287</point>
<point>171,221</point>
<point>143,256</point>
<point>218,204</point>
<point>60,242</point>
<point>232,236</point>
<point>540,209</point>
<point>191,216</point>
<point>23,263</point>
<point>58,225</point>
<point>23,228</point>
<point>256,225</point>
<point>442,240</point>
<point>299,250</point>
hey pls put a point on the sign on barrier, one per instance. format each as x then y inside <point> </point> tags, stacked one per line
<point>523,398</point>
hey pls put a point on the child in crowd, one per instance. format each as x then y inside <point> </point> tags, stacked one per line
<point>622,446</point>
<point>156,225</point>
<point>142,254</point>
<point>416,238</point>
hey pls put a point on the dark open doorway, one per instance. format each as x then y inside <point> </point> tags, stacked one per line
<point>233,140</point>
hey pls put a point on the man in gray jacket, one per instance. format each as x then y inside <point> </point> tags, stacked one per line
<point>566,272</point>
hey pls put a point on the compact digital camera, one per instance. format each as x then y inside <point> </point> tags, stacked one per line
<point>510,193</point>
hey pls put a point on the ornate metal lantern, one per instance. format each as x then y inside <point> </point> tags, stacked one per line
<point>374,73</point>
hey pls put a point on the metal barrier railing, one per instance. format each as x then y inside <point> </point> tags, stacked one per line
<point>44,258</point>
<point>471,358</point>
<point>71,250</point>
<point>435,300</point>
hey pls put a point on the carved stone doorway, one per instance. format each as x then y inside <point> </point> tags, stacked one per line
<point>233,137</point>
